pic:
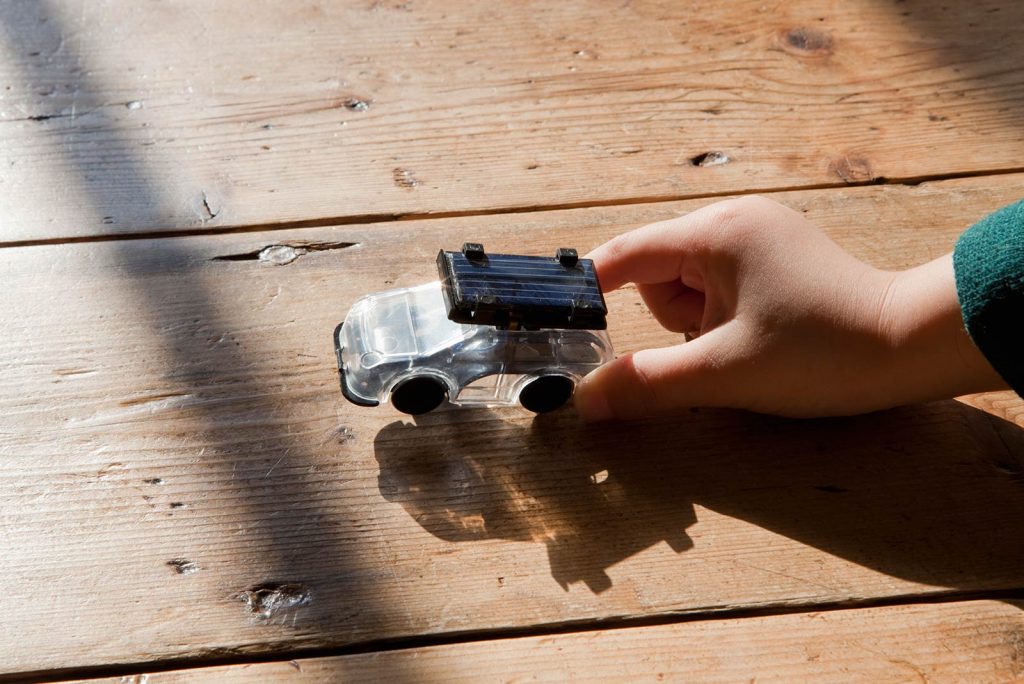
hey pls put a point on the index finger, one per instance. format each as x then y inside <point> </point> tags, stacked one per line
<point>653,253</point>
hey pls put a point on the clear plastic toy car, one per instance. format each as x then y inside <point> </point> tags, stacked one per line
<point>401,346</point>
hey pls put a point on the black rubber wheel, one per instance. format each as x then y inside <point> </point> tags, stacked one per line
<point>418,395</point>
<point>546,393</point>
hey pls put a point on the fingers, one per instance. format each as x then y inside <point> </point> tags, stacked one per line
<point>654,380</point>
<point>678,308</point>
<point>654,253</point>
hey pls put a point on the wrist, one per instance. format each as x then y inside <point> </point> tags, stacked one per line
<point>932,356</point>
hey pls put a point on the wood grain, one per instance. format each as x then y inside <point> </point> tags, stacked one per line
<point>976,641</point>
<point>181,478</point>
<point>119,117</point>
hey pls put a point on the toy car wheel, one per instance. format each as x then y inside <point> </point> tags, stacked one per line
<point>546,393</point>
<point>418,395</point>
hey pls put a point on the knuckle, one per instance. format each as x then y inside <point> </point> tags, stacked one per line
<point>645,390</point>
<point>632,394</point>
<point>617,247</point>
<point>742,219</point>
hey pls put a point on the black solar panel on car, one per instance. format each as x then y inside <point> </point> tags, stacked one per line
<point>514,291</point>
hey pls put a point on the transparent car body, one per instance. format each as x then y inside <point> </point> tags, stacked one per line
<point>395,335</point>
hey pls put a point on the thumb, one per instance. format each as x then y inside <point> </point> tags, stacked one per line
<point>651,381</point>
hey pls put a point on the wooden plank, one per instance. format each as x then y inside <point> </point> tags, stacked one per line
<point>120,116</point>
<point>181,478</point>
<point>976,641</point>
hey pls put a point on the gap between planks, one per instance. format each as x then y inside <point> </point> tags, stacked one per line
<point>366,219</point>
<point>225,657</point>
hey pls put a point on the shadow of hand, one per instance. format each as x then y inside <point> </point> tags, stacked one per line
<point>929,493</point>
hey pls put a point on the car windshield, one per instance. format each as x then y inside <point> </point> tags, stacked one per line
<point>413,322</point>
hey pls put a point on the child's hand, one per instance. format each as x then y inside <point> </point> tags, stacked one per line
<point>788,322</point>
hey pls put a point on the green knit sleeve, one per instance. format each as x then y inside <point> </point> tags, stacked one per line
<point>989,265</point>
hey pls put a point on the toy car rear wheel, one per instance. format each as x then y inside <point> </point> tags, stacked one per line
<point>546,393</point>
<point>419,395</point>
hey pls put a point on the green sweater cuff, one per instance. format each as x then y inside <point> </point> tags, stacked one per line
<point>989,266</point>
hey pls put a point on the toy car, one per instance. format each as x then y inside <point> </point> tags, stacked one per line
<point>496,330</point>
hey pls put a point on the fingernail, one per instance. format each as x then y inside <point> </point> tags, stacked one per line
<point>591,405</point>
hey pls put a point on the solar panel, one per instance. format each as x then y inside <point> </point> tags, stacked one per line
<point>512,291</point>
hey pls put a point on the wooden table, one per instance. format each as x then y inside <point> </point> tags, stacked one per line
<point>182,485</point>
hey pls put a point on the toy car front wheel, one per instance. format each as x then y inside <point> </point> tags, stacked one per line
<point>418,395</point>
<point>546,393</point>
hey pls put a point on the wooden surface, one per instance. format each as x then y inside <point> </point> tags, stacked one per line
<point>182,483</point>
<point>166,406</point>
<point>975,641</point>
<point>131,116</point>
